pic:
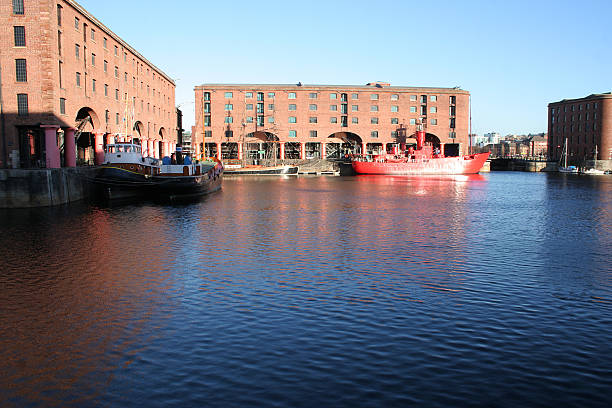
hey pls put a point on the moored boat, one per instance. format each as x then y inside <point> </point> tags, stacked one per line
<point>563,167</point>
<point>419,161</point>
<point>125,173</point>
<point>263,170</point>
<point>187,179</point>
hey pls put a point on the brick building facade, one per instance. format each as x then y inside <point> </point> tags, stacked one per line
<point>585,123</point>
<point>325,121</point>
<point>69,85</point>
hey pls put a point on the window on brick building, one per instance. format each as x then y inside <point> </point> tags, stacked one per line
<point>117,75</point>
<point>451,123</point>
<point>208,133</point>
<point>229,107</point>
<point>374,97</point>
<point>292,95</point>
<point>229,95</point>
<point>312,95</point>
<point>333,108</point>
<point>413,121</point>
<point>423,98</point>
<point>434,121</point>
<point>249,106</point>
<point>312,119</point>
<point>413,109</point>
<point>78,79</point>
<point>248,94</point>
<point>312,107</point>
<point>206,120</point>
<point>333,120</point>
<point>394,97</point>
<point>292,106</point>
<point>293,133</point>
<point>271,95</point>
<point>77,50</point>
<point>271,119</point>
<point>374,121</point>
<point>117,118</point>
<point>292,119</point>
<point>374,108</point>
<point>452,100</point>
<point>93,85</point>
<point>76,23</point>
<point>22,104</point>
<point>63,106</point>
<point>270,106</point>
<point>394,121</point>
<point>20,40</point>
<point>93,60</point>
<point>333,96</point>
<point>313,133</point>
<point>229,119</point>
<point>93,35</point>
<point>21,71</point>
<point>413,98</point>
<point>117,51</point>
<point>433,98</point>
<point>394,108</point>
<point>354,96</point>
<point>433,109</point>
<point>18,7</point>
<point>116,94</point>
<point>355,120</point>
<point>374,134</point>
<point>355,108</point>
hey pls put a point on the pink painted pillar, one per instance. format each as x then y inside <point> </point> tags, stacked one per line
<point>98,148</point>
<point>69,148</point>
<point>240,152</point>
<point>302,150</point>
<point>150,151</point>
<point>52,152</point>
<point>364,148</point>
<point>282,150</point>
<point>143,145</point>
<point>323,152</point>
<point>442,149</point>
<point>218,151</point>
<point>110,139</point>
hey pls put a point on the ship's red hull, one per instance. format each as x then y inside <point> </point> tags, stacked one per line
<point>470,164</point>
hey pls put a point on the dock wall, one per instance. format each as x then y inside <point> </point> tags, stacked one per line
<point>26,188</point>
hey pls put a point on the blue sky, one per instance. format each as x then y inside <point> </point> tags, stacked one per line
<point>513,56</point>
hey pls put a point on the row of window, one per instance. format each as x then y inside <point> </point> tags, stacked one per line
<point>579,127</point>
<point>314,133</point>
<point>332,96</point>
<point>573,108</point>
<point>314,119</point>
<point>587,117</point>
<point>332,108</point>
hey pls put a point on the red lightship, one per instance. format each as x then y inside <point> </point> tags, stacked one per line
<point>420,161</point>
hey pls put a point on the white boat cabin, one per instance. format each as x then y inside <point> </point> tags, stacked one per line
<point>127,153</point>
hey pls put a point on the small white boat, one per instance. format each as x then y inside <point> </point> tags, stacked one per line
<point>594,171</point>
<point>565,168</point>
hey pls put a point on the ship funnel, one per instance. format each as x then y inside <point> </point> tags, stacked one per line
<point>420,137</point>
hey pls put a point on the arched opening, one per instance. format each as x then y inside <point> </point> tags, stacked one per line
<point>86,122</point>
<point>137,131</point>
<point>333,148</point>
<point>351,144</point>
<point>261,145</point>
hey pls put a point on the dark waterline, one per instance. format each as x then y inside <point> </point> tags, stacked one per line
<point>491,290</point>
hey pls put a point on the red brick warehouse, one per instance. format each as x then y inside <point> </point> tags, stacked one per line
<point>586,124</point>
<point>69,85</point>
<point>325,121</point>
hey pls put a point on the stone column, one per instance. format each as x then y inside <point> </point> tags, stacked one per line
<point>323,150</point>
<point>110,139</point>
<point>441,149</point>
<point>282,150</point>
<point>364,148</point>
<point>240,152</point>
<point>98,148</point>
<point>69,147</point>
<point>218,150</point>
<point>150,148</point>
<point>143,145</point>
<point>52,152</point>
<point>302,150</point>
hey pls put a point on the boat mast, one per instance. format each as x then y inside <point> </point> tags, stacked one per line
<point>470,134</point>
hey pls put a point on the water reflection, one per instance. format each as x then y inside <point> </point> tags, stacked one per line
<point>331,290</point>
